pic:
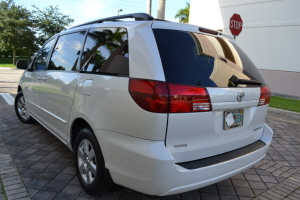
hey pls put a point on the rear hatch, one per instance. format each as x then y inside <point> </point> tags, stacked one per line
<point>234,111</point>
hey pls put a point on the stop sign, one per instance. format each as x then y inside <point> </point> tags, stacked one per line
<point>236,24</point>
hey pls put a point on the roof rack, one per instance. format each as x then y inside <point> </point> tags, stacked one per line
<point>136,16</point>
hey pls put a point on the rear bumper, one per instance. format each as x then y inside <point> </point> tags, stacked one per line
<point>147,166</point>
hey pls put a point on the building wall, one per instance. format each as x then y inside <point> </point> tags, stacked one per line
<point>270,37</point>
<point>205,13</point>
<point>283,82</point>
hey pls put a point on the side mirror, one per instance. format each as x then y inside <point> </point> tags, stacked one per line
<point>22,64</point>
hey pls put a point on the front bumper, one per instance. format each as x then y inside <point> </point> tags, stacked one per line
<point>147,166</point>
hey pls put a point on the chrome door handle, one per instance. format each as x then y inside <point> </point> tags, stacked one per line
<point>38,78</point>
<point>44,78</point>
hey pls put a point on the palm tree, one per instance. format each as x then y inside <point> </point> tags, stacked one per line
<point>184,14</point>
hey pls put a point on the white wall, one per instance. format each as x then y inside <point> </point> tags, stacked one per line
<point>206,13</point>
<point>271,31</point>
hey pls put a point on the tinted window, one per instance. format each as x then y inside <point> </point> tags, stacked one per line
<point>66,52</point>
<point>201,60</point>
<point>41,57</point>
<point>106,51</point>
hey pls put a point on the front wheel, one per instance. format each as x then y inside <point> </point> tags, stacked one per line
<point>89,162</point>
<point>21,109</point>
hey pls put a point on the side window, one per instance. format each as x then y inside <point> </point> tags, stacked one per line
<point>66,52</point>
<point>106,52</point>
<point>41,57</point>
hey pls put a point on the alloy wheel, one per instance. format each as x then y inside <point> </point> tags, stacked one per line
<point>87,163</point>
<point>22,108</point>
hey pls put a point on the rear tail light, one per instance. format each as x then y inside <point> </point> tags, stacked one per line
<point>150,95</point>
<point>188,99</point>
<point>265,95</point>
<point>162,97</point>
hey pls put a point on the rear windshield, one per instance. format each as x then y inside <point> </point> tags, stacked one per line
<point>202,60</point>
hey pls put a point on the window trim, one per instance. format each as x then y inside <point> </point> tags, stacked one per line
<point>79,60</point>
<point>108,74</point>
<point>54,38</point>
<point>101,73</point>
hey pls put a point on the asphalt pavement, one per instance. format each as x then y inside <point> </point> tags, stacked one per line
<point>36,165</point>
<point>9,79</point>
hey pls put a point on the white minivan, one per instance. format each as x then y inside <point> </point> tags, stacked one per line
<point>155,106</point>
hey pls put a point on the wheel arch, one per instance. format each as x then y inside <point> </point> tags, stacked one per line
<point>19,88</point>
<point>77,125</point>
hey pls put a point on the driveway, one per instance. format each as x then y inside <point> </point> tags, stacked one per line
<point>9,79</point>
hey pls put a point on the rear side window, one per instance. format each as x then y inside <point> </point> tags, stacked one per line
<point>202,60</point>
<point>106,52</point>
<point>66,52</point>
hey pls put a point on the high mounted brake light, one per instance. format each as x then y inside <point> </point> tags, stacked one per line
<point>162,97</point>
<point>204,30</point>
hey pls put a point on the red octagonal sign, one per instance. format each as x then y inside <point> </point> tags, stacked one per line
<point>236,24</point>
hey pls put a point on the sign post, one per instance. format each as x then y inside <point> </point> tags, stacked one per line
<point>235,25</point>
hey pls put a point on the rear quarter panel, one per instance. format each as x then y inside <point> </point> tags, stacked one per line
<point>107,105</point>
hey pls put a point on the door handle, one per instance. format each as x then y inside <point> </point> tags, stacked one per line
<point>44,78</point>
<point>38,78</point>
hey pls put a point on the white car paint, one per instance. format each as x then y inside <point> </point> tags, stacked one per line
<point>148,166</point>
<point>137,145</point>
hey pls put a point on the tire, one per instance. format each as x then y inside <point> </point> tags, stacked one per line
<point>89,162</point>
<point>21,109</point>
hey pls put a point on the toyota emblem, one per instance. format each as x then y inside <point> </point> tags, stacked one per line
<point>240,96</point>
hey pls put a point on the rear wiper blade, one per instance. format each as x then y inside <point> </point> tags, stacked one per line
<point>247,82</point>
<point>236,81</point>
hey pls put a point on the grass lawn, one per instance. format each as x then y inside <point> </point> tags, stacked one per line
<point>7,62</point>
<point>285,103</point>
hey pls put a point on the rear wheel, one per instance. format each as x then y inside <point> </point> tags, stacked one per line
<point>21,109</point>
<point>89,162</point>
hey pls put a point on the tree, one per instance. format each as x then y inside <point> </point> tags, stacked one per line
<point>21,30</point>
<point>184,14</point>
<point>49,22</point>
<point>15,25</point>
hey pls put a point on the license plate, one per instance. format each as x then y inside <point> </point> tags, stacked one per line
<point>233,118</point>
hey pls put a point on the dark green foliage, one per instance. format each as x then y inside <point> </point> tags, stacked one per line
<point>15,25</point>
<point>49,22</point>
<point>23,31</point>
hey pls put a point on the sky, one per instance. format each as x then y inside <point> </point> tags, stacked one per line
<point>88,10</point>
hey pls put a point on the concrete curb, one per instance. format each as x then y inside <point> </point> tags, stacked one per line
<point>285,96</point>
<point>8,68</point>
<point>284,114</point>
<point>11,70</point>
